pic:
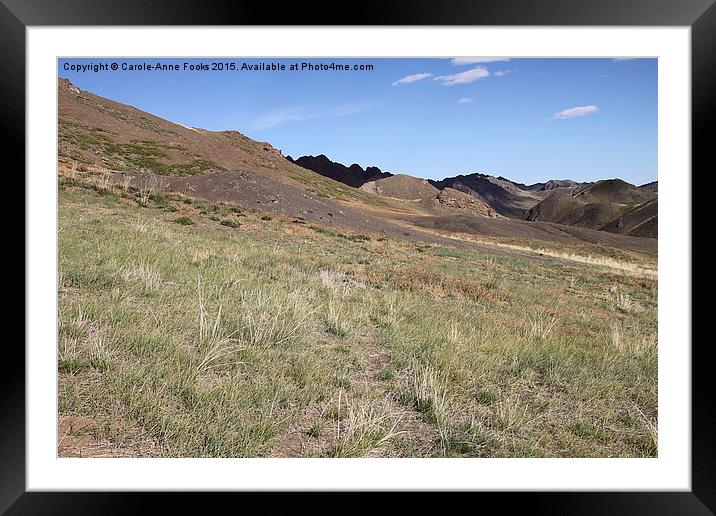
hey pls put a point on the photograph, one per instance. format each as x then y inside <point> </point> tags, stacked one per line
<point>376,257</point>
<point>408,248</point>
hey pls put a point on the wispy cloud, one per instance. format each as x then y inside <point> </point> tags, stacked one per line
<point>500,73</point>
<point>303,113</point>
<point>463,77</point>
<point>458,61</point>
<point>412,78</point>
<point>616,59</point>
<point>576,112</point>
<point>464,100</point>
<point>347,110</point>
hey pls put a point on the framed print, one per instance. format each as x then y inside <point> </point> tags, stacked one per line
<point>270,252</point>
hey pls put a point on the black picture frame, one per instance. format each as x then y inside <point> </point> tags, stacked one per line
<point>17,15</point>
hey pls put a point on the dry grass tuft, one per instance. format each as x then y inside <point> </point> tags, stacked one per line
<point>84,343</point>
<point>510,415</point>
<point>336,321</point>
<point>366,426</point>
<point>652,431</point>
<point>151,185</point>
<point>198,255</point>
<point>147,276</point>
<point>540,325</point>
<point>273,318</point>
<point>339,282</point>
<point>623,302</point>
<point>629,344</point>
<point>214,343</point>
<point>429,394</point>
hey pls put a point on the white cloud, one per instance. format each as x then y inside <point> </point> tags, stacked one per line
<point>575,112</point>
<point>412,78</point>
<point>464,100</point>
<point>303,113</point>
<point>500,73</point>
<point>457,61</point>
<point>463,77</point>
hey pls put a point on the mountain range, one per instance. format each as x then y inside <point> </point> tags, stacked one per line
<point>130,145</point>
<point>610,205</point>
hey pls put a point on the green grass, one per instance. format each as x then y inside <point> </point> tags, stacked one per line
<point>206,341</point>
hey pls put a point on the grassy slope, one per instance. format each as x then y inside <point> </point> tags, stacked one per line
<point>239,336</point>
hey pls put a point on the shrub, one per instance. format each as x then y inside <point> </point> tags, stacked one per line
<point>230,223</point>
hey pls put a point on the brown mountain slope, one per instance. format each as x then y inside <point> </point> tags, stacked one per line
<point>590,206</point>
<point>612,191</point>
<point>97,131</point>
<point>641,220</point>
<point>222,166</point>
<point>402,186</point>
<point>120,137</point>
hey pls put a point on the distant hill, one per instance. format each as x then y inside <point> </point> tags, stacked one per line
<point>552,184</point>
<point>451,198</point>
<point>651,187</point>
<point>611,205</point>
<point>353,176</point>
<point>402,186</point>
<point>502,195</point>
<point>506,197</point>
<point>596,205</point>
<point>440,202</point>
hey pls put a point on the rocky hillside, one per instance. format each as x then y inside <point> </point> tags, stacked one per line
<point>506,197</point>
<point>466,203</point>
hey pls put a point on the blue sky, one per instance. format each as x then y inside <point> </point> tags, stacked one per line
<point>529,120</point>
